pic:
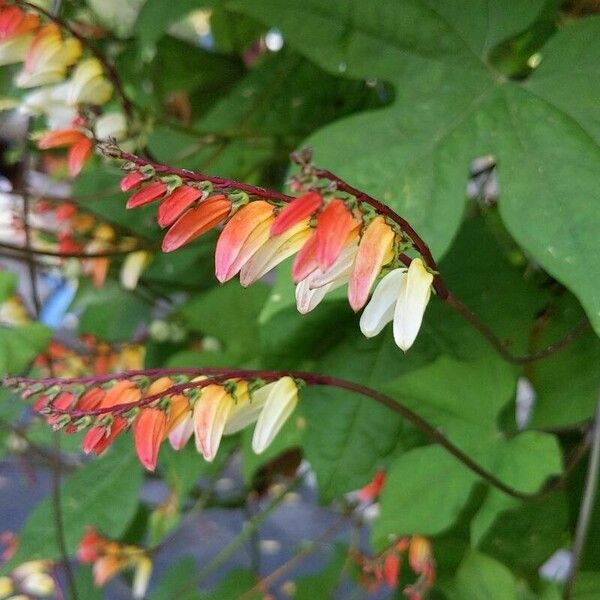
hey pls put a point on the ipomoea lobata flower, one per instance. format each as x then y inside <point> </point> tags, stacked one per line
<point>280,399</point>
<point>273,251</point>
<point>401,296</point>
<point>88,85</point>
<point>374,251</point>
<point>132,268</point>
<point>313,288</point>
<point>48,57</point>
<point>16,33</point>
<point>111,125</point>
<point>235,246</point>
<point>210,415</point>
<point>80,146</point>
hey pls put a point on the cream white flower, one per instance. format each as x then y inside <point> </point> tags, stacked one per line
<point>88,84</point>
<point>132,268</point>
<point>50,101</point>
<point>401,296</point>
<point>111,125</point>
<point>280,399</point>
<point>313,288</point>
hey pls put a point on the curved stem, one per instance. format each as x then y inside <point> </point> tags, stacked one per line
<point>438,283</point>
<point>587,504</point>
<point>215,375</point>
<point>110,70</point>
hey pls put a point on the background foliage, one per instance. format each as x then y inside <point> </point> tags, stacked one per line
<point>399,97</point>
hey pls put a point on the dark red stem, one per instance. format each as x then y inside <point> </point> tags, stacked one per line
<point>215,375</point>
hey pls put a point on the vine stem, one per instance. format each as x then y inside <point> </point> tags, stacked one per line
<point>438,282</point>
<point>587,504</point>
<point>215,375</point>
<point>56,464</point>
<point>110,70</point>
<point>40,252</point>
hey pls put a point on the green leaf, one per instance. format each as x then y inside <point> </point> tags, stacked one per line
<point>110,312</point>
<point>157,15</point>
<point>229,313</point>
<point>104,494</point>
<point>8,284</point>
<point>20,345</point>
<point>424,492</point>
<point>481,578</point>
<point>180,576</point>
<point>525,537</point>
<point>468,416</point>
<point>523,462</point>
<point>587,586</point>
<point>450,107</point>
<point>572,373</point>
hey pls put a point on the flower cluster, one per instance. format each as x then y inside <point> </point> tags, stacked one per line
<point>29,581</point>
<point>385,567</point>
<point>91,356</point>
<point>174,408</point>
<point>63,229</point>
<point>65,82</point>
<point>109,558</point>
<point>335,242</point>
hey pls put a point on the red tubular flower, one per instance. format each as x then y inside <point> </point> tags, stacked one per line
<point>147,194</point>
<point>196,221</point>
<point>131,180</point>
<point>122,392</point>
<point>235,234</point>
<point>99,438</point>
<point>176,203</point>
<point>79,154</point>
<point>91,400</point>
<point>80,146</point>
<point>391,569</point>
<point>90,546</point>
<point>296,211</point>
<point>149,431</point>
<point>14,22</point>
<point>63,401</point>
<point>305,262</point>
<point>374,250</point>
<point>371,491</point>
<point>334,225</point>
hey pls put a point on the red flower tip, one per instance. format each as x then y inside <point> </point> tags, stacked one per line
<point>296,211</point>
<point>131,180</point>
<point>147,194</point>
<point>195,222</point>
<point>149,431</point>
<point>334,225</point>
<point>176,203</point>
<point>78,155</point>
<point>391,569</point>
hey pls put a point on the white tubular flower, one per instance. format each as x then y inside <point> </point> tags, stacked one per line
<point>211,412</point>
<point>88,84</point>
<point>246,409</point>
<point>50,101</point>
<point>141,578</point>
<point>111,125</point>
<point>132,268</point>
<point>274,251</point>
<point>401,296</point>
<point>313,288</point>
<point>280,400</point>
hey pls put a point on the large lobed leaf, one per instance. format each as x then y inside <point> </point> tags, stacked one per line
<point>451,106</point>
